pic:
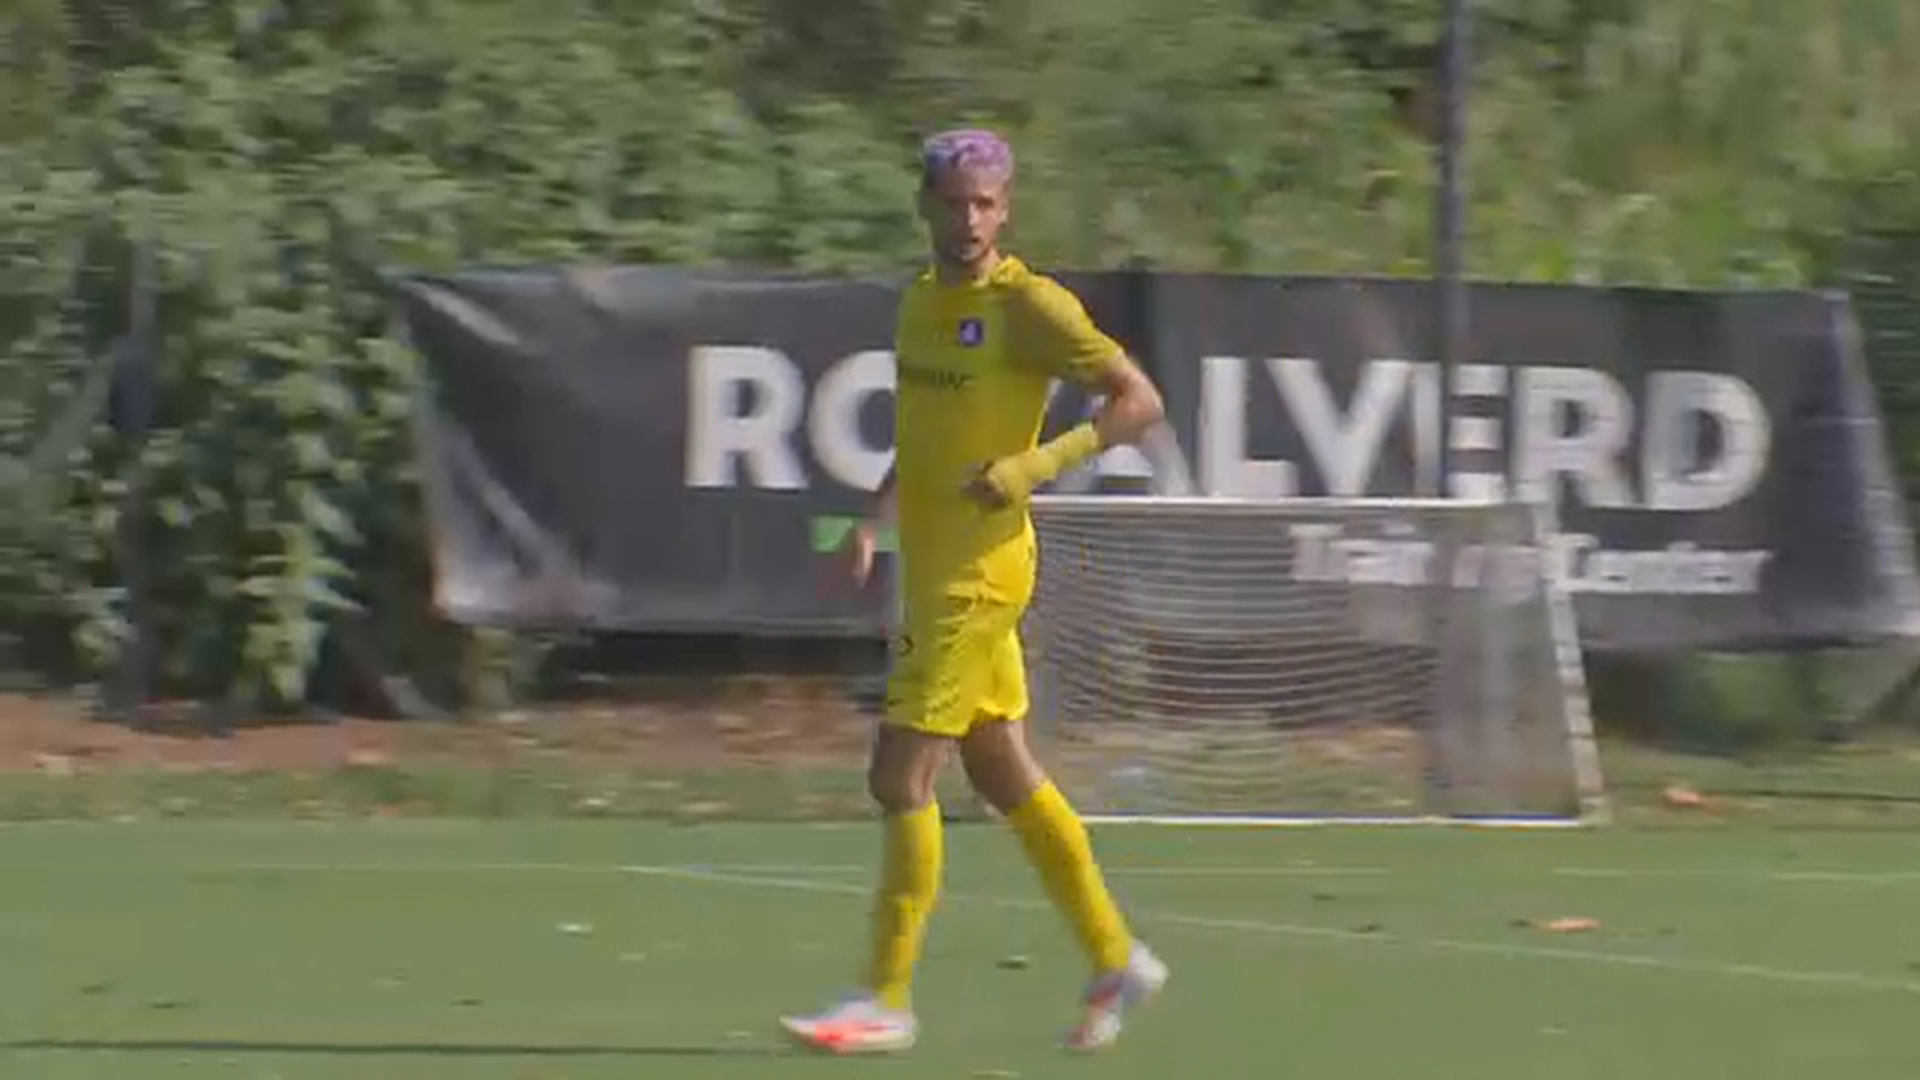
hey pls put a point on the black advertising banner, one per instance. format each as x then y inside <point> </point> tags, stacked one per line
<point>640,448</point>
<point>1715,461</point>
<point>650,448</point>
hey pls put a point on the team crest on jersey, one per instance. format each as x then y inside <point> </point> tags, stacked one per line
<point>972,332</point>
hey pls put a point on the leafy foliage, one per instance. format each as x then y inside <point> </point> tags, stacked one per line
<point>273,158</point>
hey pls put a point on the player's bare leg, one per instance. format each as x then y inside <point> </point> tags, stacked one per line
<point>878,1017</point>
<point>1126,974</point>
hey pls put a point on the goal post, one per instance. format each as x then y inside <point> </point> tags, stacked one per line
<point>1308,660</point>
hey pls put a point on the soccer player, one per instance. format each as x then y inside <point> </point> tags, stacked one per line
<point>978,341</point>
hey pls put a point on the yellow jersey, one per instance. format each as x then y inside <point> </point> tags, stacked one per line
<point>975,362</point>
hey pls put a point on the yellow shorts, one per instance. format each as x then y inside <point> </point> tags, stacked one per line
<point>955,666</point>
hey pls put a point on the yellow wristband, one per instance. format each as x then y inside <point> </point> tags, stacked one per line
<point>1071,449</point>
<point>1019,475</point>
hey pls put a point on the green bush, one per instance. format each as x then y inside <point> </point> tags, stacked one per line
<point>275,158</point>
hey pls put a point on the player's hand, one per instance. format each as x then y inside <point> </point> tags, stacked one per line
<point>858,552</point>
<point>1014,478</point>
<point>992,486</point>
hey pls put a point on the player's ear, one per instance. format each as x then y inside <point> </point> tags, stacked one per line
<point>927,201</point>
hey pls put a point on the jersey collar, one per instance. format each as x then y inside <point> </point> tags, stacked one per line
<point>997,271</point>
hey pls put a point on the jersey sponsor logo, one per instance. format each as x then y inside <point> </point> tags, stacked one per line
<point>972,333</point>
<point>933,377</point>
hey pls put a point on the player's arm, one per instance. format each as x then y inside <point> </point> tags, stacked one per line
<point>863,540</point>
<point>1052,331</point>
<point>880,503</point>
<point>1133,406</point>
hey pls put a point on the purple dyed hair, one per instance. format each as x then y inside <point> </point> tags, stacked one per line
<point>965,148</point>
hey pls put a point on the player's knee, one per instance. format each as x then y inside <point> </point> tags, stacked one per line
<point>897,791</point>
<point>999,766</point>
<point>901,775</point>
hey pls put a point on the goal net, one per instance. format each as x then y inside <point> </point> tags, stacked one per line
<point>1210,659</point>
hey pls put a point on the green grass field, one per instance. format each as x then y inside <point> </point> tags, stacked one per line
<point>435,950</point>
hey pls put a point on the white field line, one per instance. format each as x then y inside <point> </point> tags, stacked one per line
<point>1729,873</point>
<point>1783,877</point>
<point>1848,979</point>
<point>1733,874</point>
<point>776,868</point>
<point>129,822</point>
<point>770,876</point>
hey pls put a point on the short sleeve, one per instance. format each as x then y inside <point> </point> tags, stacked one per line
<point>1050,331</point>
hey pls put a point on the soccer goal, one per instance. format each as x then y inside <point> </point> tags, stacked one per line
<point>1307,660</point>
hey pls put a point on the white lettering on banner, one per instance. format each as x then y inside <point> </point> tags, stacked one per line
<point>727,447</point>
<point>1678,400</point>
<point>719,439</point>
<point>1324,553</point>
<point>1572,432</point>
<point>833,423</point>
<point>1477,434</point>
<point>1225,468</point>
<point>1347,447</point>
<point>1558,431</point>
<point>1589,454</point>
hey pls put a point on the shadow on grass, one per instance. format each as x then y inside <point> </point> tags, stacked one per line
<point>387,1049</point>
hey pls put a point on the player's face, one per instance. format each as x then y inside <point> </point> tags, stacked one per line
<point>964,210</point>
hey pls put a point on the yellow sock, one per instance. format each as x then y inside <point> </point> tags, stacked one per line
<point>909,881</point>
<point>1057,844</point>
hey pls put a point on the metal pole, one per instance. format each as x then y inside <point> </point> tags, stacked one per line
<point>136,373</point>
<point>1450,322</point>
<point>1446,762</point>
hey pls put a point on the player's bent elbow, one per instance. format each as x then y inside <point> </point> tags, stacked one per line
<point>1134,406</point>
<point>1153,407</point>
<point>1144,410</point>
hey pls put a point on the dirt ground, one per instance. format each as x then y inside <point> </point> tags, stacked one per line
<point>787,726</point>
